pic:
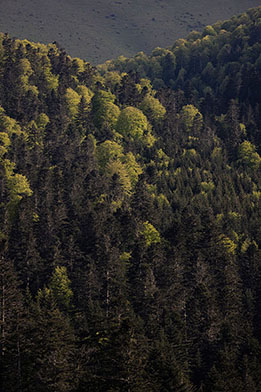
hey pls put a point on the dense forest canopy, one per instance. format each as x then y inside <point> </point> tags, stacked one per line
<point>130,207</point>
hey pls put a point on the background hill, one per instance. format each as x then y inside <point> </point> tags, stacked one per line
<point>102,30</point>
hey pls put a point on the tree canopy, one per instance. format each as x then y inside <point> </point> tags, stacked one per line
<point>130,240</point>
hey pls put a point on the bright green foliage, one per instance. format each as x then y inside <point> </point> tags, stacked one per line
<point>164,159</point>
<point>190,153</point>
<point>207,186</point>
<point>188,115</point>
<point>125,257</point>
<point>107,151</point>
<point>118,169</point>
<point>18,186</point>
<point>234,216</point>
<point>132,167</point>
<point>102,96</point>
<point>85,92</point>
<point>42,65</point>
<point>60,286</point>
<point>4,143</point>
<point>51,80</point>
<point>246,244</point>
<point>132,123</point>
<point>248,155</point>
<point>160,199</point>
<point>73,99</point>
<point>25,69</point>
<point>144,83</point>
<point>149,139</point>
<point>42,120</point>
<point>79,64</point>
<point>152,108</point>
<point>44,296</point>
<point>257,195</point>
<point>112,79</point>
<point>209,30</point>
<point>106,113</point>
<point>8,167</point>
<point>217,153</point>
<point>151,188</point>
<point>8,124</point>
<point>151,235</point>
<point>228,244</point>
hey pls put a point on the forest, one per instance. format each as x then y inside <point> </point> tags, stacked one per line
<point>130,216</point>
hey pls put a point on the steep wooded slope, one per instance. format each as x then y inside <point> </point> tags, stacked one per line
<point>212,67</point>
<point>130,218</point>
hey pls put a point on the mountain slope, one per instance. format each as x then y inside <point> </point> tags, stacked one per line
<point>104,29</point>
<point>222,62</point>
<point>130,217</point>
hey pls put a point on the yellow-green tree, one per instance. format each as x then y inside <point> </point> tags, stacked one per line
<point>17,187</point>
<point>132,123</point>
<point>72,99</point>
<point>4,143</point>
<point>188,115</point>
<point>108,151</point>
<point>112,79</point>
<point>150,233</point>
<point>60,285</point>
<point>152,108</point>
<point>85,92</point>
<point>106,113</point>
<point>132,167</point>
<point>112,160</point>
<point>8,124</point>
<point>117,168</point>
<point>247,155</point>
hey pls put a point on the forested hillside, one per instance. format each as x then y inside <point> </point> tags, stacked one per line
<point>130,210</point>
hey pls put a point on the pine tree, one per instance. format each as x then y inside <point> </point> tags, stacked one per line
<point>12,319</point>
<point>48,358</point>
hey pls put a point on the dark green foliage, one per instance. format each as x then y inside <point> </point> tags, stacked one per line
<point>11,327</point>
<point>130,216</point>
